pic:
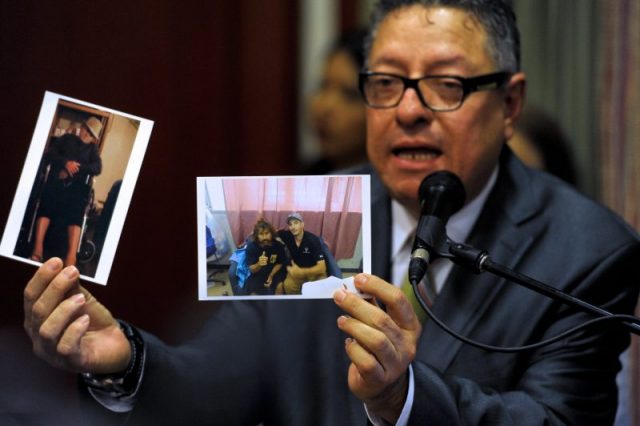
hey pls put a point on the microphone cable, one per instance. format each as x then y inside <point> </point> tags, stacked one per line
<point>516,349</point>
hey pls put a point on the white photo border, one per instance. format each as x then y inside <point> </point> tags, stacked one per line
<point>201,195</point>
<point>30,169</point>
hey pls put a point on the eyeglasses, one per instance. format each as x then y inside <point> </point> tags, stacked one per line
<point>436,92</point>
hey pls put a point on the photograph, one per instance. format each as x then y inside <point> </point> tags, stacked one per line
<point>76,186</point>
<point>281,236</point>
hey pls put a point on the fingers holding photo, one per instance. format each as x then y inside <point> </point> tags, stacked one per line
<point>45,290</point>
<point>390,336</point>
<point>380,344</point>
<point>395,302</point>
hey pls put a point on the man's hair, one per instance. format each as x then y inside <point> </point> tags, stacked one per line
<point>352,43</point>
<point>261,225</point>
<point>496,17</point>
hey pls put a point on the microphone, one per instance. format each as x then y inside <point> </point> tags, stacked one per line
<point>441,194</point>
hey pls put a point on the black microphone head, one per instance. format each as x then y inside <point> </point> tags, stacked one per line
<point>441,194</point>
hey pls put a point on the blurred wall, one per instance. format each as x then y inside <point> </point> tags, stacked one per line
<point>116,151</point>
<point>219,80</point>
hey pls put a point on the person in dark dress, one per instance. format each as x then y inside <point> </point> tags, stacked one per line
<point>73,161</point>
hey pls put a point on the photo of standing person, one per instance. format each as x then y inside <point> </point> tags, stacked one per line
<point>72,161</point>
<point>76,185</point>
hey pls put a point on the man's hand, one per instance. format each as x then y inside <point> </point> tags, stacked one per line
<point>72,167</point>
<point>295,271</point>
<point>263,260</point>
<point>381,344</point>
<point>68,327</point>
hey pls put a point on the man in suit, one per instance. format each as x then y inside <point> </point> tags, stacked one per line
<point>443,90</point>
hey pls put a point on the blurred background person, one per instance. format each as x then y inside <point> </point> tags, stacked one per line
<point>539,142</point>
<point>336,110</point>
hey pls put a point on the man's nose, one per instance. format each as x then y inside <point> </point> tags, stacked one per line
<point>411,109</point>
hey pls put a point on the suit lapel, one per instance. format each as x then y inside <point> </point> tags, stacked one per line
<point>380,222</point>
<point>499,230</point>
<point>381,229</point>
<point>467,296</point>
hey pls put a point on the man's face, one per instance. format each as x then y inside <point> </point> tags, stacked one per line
<point>408,142</point>
<point>264,237</point>
<point>296,227</point>
<point>85,135</point>
<point>337,112</point>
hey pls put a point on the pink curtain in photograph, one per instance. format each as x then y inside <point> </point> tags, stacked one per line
<point>331,207</point>
<point>620,134</point>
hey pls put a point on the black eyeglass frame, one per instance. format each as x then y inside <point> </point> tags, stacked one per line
<point>469,85</point>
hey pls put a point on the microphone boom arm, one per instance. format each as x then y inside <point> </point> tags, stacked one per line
<point>480,261</point>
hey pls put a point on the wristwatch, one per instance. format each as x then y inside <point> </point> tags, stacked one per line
<point>124,383</point>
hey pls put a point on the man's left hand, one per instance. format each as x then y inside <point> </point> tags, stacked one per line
<point>381,344</point>
<point>294,271</point>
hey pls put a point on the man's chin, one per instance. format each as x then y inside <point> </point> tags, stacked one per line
<point>404,189</point>
<point>406,193</point>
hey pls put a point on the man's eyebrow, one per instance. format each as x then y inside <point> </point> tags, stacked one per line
<point>399,63</point>
<point>387,60</point>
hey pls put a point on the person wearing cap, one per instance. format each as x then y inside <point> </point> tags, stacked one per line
<point>72,160</point>
<point>307,258</point>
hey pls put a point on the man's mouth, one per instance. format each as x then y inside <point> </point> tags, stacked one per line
<point>417,154</point>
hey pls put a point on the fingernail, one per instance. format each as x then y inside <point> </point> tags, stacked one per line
<point>78,298</point>
<point>339,295</point>
<point>84,319</point>
<point>342,319</point>
<point>53,264</point>
<point>361,279</point>
<point>70,272</point>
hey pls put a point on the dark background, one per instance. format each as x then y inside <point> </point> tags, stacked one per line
<point>219,80</point>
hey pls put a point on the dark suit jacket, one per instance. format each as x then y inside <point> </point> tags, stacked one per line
<point>283,362</point>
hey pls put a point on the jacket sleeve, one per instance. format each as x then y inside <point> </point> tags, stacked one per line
<point>94,164</point>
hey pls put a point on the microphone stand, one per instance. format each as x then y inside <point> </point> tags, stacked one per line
<point>480,261</point>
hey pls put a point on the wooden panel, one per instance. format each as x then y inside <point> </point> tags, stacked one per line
<point>219,80</point>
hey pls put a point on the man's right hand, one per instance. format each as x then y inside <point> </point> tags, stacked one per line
<point>72,167</point>
<point>68,327</point>
<point>263,260</point>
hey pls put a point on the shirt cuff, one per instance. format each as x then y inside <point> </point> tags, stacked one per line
<point>117,404</point>
<point>403,420</point>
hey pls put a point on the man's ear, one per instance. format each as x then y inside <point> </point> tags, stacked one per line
<point>513,102</point>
